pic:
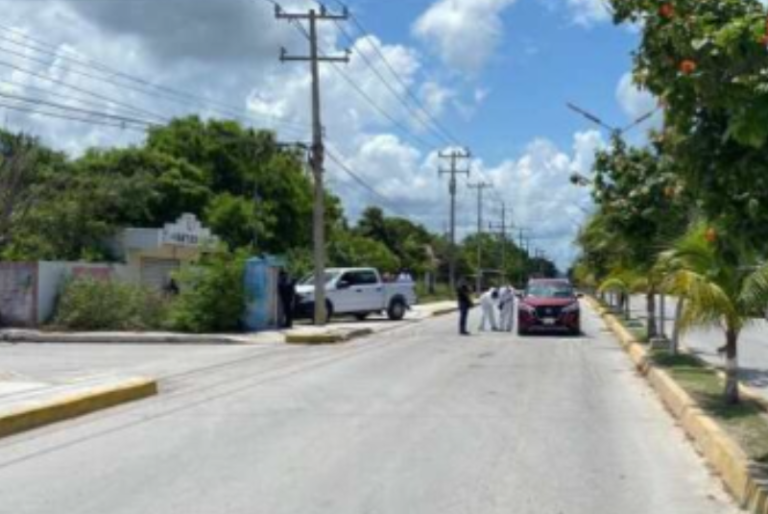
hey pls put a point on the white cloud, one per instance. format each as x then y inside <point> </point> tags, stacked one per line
<point>464,33</point>
<point>636,102</point>
<point>538,188</point>
<point>589,12</point>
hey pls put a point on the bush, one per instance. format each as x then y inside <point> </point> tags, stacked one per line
<point>90,304</point>
<point>212,295</point>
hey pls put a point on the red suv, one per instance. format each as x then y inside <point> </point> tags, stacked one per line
<point>548,305</point>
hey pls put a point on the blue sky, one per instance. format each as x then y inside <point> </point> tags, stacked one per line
<point>544,60</point>
<point>497,73</point>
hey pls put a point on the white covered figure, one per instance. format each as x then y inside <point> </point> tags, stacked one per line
<point>507,307</point>
<point>488,304</point>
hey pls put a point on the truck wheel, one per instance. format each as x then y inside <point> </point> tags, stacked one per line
<point>361,316</point>
<point>396,310</point>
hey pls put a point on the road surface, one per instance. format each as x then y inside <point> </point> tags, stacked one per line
<point>412,421</point>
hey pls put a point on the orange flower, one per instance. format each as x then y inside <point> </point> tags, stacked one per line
<point>688,66</point>
<point>667,11</point>
<point>711,235</point>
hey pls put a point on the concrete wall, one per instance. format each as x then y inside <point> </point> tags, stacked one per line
<point>18,294</point>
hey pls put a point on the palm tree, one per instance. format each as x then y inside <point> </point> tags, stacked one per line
<point>723,285</point>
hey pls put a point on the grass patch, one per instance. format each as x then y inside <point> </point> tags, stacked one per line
<point>747,422</point>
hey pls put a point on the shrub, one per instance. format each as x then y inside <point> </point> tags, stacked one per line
<point>212,295</point>
<point>90,304</point>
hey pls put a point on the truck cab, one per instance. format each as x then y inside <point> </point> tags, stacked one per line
<point>359,292</point>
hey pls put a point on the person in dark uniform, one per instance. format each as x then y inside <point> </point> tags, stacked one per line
<point>286,289</point>
<point>464,297</point>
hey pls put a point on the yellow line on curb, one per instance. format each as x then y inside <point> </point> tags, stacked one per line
<point>711,441</point>
<point>72,406</point>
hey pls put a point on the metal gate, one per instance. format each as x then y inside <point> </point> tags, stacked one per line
<point>156,273</point>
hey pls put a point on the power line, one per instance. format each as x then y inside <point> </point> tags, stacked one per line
<point>347,169</point>
<point>72,87</point>
<point>86,120</point>
<point>76,110</point>
<point>168,93</point>
<point>406,88</point>
<point>383,112</point>
<point>396,94</point>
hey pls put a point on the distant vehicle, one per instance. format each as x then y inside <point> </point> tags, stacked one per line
<point>358,292</point>
<point>549,305</point>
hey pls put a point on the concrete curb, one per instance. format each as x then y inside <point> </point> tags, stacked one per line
<point>444,312</point>
<point>737,472</point>
<point>332,337</point>
<point>70,406</point>
<point>22,336</point>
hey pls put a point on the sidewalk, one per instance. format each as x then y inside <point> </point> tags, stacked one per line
<point>753,345</point>
<point>339,329</point>
<point>27,404</point>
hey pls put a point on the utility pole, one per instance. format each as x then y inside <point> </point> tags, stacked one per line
<point>454,157</point>
<point>480,187</point>
<point>317,157</point>
<point>503,231</point>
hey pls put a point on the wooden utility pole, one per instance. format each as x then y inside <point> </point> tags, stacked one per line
<point>480,187</point>
<point>503,229</point>
<point>454,156</point>
<point>317,156</point>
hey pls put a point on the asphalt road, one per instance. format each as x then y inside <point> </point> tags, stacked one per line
<point>412,421</point>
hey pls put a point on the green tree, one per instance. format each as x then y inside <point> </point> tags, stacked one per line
<point>723,284</point>
<point>351,250</point>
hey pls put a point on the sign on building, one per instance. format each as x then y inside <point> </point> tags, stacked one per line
<point>189,232</point>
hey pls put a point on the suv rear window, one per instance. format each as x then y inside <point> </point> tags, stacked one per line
<point>550,290</point>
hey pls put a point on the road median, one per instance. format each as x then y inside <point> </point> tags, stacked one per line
<point>28,406</point>
<point>681,393</point>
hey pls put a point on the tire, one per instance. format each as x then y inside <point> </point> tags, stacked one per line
<point>362,316</point>
<point>397,309</point>
<point>522,332</point>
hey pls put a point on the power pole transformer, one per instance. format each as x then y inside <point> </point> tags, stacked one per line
<point>317,155</point>
<point>480,187</point>
<point>454,157</point>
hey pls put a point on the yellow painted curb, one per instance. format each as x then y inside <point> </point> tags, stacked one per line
<point>712,442</point>
<point>327,338</point>
<point>72,406</point>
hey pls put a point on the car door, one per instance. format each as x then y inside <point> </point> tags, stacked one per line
<point>370,291</point>
<point>345,297</point>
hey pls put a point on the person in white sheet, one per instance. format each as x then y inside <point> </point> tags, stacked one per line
<point>507,307</point>
<point>489,303</point>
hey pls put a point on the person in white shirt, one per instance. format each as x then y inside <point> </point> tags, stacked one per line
<point>489,303</point>
<point>507,307</point>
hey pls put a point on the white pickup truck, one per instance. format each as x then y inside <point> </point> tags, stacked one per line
<point>358,292</point>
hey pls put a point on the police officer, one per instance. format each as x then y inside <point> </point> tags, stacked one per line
<point>464,297</point>
<point>286,289</point>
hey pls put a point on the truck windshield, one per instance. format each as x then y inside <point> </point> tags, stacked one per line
<point>550,290</point>
<point>330,276</point>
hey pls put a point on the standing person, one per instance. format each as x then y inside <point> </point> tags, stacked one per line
<point>507,307</point>
<point>489,304</point>
<point>464,296</point>
<point>286,289</point>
